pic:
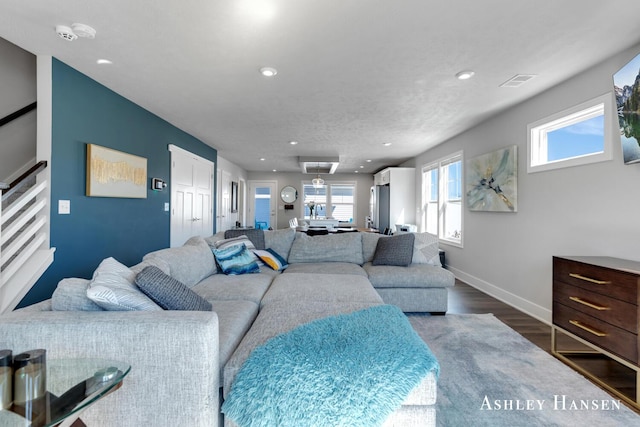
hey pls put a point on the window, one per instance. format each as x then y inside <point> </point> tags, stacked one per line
<point>442,199</point>
<point>576,136</point>
<point>333,200</point>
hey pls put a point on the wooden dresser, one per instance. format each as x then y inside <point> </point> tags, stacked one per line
<point>595,301</point>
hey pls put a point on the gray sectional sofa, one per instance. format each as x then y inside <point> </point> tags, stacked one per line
<point>184,362</point>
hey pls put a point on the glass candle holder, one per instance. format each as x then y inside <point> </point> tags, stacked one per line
<point>6,379</point>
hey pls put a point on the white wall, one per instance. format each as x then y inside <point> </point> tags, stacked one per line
<point>584,210</point>
<point>18,138</point>
<point>363,186</point>
<point>238,175</point>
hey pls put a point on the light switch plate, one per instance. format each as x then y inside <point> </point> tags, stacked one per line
<point>166,207</point>
<point>64,207</point>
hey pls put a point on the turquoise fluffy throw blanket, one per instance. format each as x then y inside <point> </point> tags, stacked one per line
<point>348,370</point>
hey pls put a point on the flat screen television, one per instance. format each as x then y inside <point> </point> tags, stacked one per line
<point>626,87</point>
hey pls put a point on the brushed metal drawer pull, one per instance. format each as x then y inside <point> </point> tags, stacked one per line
<point>589,279</point>
<point>588,329</point>
<point>589,304</point>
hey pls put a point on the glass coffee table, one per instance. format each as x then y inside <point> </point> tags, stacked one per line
<point>72,386</point>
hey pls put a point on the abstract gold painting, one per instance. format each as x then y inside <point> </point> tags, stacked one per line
<point>492,181</point>
<point>113,173</point>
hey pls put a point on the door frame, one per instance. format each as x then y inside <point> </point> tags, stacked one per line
<point>181,151</point>
<point>250,211</point>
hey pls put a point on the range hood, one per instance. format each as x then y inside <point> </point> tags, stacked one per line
<point>319,165</point>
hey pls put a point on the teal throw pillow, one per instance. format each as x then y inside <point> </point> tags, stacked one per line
<point>236,260</point>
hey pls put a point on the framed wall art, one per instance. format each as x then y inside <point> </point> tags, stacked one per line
<point>626,87</point>
<point>234,196</point>
<point>113,173</point>
<point>492,181</point>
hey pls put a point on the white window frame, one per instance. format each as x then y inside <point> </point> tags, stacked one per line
<point>537,135</point>
<point>440,165</point>
<point>329,203</point>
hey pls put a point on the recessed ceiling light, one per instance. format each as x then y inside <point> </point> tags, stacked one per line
<point>103,62</point>
<point>368,160</point>
<point>386,144</point>
<point>268,71</point>
<point>361,167</point>
<point>465,75</point>
<point>356,171</point>
<point>293,142</point>
<point>275,170</point>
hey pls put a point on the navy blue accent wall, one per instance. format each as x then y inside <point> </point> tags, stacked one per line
<point>85,112</point>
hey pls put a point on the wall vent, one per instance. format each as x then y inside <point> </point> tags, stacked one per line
<point>518,80</point>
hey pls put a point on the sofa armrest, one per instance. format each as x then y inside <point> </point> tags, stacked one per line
<point>174,378</point>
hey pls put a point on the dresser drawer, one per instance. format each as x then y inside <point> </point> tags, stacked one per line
<point>614,283</point>
<point>619,313</point>
<point>602,334</point>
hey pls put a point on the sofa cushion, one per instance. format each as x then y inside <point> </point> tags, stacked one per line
<point>71,295</point>
<point>426,249</point>
<point>341,247</point>
<point>278,318</point>
<point>394,250</point>
<point>169,293</point>
<point>234,320</point>
<point>156,262</point>
<point>236,259</point>
<point>369,244</point>
<point>280,241</point>
<point>211,240</point>
<point>113,288</point>
<point>326,268</point>
<point>249,287</point>
<point>254,234</point>
<point>335,288</point>
<point>413,276</point>
<point>271,258</point>
<point>188,264</point>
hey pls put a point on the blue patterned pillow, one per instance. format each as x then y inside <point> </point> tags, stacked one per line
<point>236,259</point>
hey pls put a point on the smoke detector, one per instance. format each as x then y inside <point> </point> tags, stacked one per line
<point>85,31</point>
<point>76,30</point>
<point>65,33</point>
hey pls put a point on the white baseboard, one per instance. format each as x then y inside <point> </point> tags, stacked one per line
<point>527,307</point>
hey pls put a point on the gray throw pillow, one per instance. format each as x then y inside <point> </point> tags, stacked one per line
<point>394,250</point>
<point>168,292</point>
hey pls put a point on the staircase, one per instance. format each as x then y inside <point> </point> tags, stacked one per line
<point>24,233</point>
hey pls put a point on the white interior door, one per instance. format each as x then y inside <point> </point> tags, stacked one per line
<point>224,219</point>
<point>262,204</point>
<point>191,196</point>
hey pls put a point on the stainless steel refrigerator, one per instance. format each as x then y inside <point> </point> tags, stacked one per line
<point>381,207</point>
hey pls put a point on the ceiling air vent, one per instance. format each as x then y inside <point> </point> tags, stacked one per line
<point>317,165</point>
<point>518,80</point>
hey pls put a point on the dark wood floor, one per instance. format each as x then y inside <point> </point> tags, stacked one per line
<point>466,299</point>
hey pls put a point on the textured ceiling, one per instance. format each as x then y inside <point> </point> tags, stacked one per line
<point>352,74</point>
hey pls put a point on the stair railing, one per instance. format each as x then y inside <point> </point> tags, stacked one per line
<point>21,112</point>
<point>24,236</point>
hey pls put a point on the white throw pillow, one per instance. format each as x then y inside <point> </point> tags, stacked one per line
<point>426,249</point>
<point>113,288</point>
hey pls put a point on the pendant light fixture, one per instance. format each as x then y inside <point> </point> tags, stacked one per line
<point>317,181</point>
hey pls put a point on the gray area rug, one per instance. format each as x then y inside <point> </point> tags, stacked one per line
<point>492,376</point>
